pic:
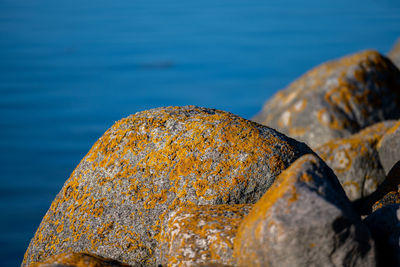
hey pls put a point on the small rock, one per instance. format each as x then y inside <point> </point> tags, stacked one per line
<point>77,260</point>
<point>202,235</point>
<point>355,160</point>
<point>304,219</point>
<point>384,225</point>
<point>389,147</point>
<point>147,165</point>
<point>384,195</point>
<point>394,54</point>
<point>336,99</point>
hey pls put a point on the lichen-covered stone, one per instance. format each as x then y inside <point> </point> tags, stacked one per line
<point>146,166</point>
<point>394,54</point>
<point>384,225</point>
<point>304,219</point>
<point>201,235</point>
<point>355,160</point>
<point>336,99</point>
<point>389,147</point>
<point>77,260</point>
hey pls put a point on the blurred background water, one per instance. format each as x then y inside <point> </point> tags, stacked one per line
<point>70,69</point>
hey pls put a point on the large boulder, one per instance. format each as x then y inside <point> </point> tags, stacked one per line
<point>304,219</point>
<point>336,99</point>
<point>394,54</point>
<point>355,160</point>
<point>151,163</point>
<point>384,225</point>
<point>389,148</point>
<point>201,235</point>
<point>72,259</point>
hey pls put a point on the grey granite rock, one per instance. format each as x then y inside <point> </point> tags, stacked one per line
<point>384,225</point>
<point>151,163</point>
<point>304,219</point>
<point>355,160</point>
<point>201,235</point>
<point>336,99</point>
<point>389,148</point>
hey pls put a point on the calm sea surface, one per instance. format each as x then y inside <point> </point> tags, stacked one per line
<point>70,69</point>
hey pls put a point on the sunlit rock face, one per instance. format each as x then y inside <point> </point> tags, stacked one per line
<point>336,99</point>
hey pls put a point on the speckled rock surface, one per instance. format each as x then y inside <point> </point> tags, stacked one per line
<point>336,99</point>
<point>77,260</point>
<point>355,160</point>
<point>202,235</point>
<point>384,225</point>
<point>394,54</point>
<point>389,147</point>
<point>146,166</point>
<point>304,219</point>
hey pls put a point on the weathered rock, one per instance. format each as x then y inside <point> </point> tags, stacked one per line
<point>389,147</point>
<point>355,160</point>
<point>304,219</point>
<point>77,260</point>
<point>394,54</point>
<point>146,166</point>
<point>387,193</point>
<point>336,99</point>
<point>201,235</point>
<point>384,225</point>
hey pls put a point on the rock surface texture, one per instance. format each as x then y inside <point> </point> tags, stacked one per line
<point>147,165</point>
<point>336,99</point>
<point>384,225</point>
<point>77,260</point>
<point>355,160</point>
<point>389,148</point>
<point>304,219</point>
<point>394,54</point>
<point>202,235</point>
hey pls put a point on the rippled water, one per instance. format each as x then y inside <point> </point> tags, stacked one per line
<point>69,69</point>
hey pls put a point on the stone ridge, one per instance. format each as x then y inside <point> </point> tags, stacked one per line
<point>336,99</point>
<point>147,165</point>
<point>355,160</point>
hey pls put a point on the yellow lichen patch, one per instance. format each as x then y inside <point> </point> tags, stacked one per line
<point>198,235</point>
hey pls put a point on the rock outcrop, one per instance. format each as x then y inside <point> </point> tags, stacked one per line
<point>355,160</point>
<point>336,99</point>
<point>304,219</point>
<point>148,165</point>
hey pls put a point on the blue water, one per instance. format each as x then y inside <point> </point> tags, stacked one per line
<point>69,69</point>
